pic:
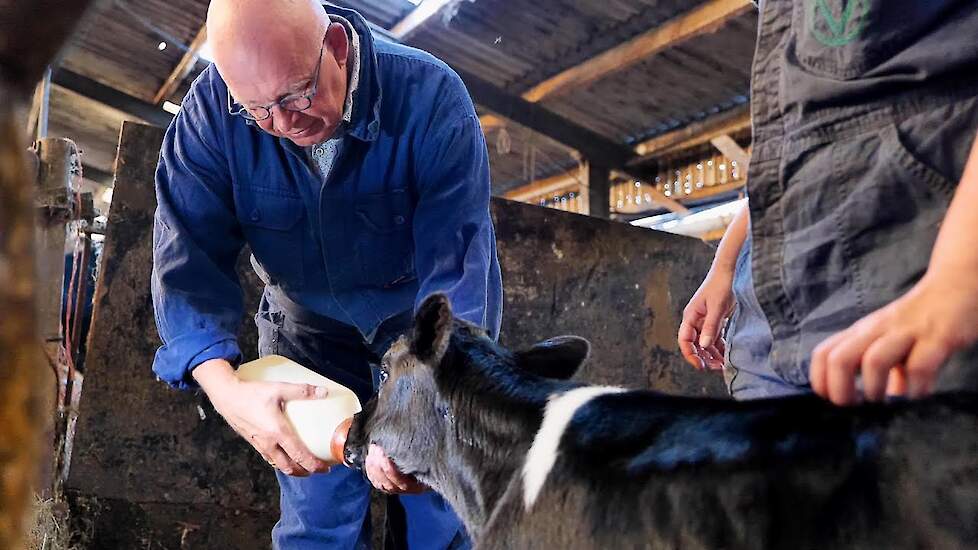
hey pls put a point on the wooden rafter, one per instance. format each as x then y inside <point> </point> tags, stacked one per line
<point>586,141</point>
<point>183,68</point>
<point>490,122</point>
<point>705,18</point>
<point>732,150</point>
<point>112,97</point>
<point>418,17</point>
<point>574,180</point>
<point>694,135</point>
<point>569,180</point>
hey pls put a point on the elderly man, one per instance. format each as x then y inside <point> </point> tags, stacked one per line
<point>357,172</point>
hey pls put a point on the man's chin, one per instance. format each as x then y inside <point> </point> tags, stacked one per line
<point>308,140</point>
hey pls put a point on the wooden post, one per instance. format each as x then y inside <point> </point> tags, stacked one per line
<point>598,191</point>
<point>58,159</point>
<point>20,358</point>
<point>33,31</point>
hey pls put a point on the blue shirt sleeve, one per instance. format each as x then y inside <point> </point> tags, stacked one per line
<point>196,242</point>
<point>454,240</point>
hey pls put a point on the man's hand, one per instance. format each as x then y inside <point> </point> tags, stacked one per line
<point>256,411</point>
<point>900,348</point>
<point>704,318</point>
<point>384,475</point>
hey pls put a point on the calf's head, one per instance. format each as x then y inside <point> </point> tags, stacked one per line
<point>452,399</point>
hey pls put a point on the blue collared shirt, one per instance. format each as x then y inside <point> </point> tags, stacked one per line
<point>404,212</point>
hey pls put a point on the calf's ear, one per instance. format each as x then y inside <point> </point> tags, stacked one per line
<point>432,329</point>
<point>557,358</point>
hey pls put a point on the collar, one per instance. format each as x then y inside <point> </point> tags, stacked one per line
<point>363,92</point>
<point>364,101</point>
<point>354,68</point>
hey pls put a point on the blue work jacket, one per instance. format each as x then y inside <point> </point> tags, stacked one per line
<point>403,213</point>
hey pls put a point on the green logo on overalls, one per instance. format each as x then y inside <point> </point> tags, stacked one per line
<point>837,31</point>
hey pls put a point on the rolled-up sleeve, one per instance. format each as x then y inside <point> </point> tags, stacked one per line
<point>196,242</point>
<point>455,244</point>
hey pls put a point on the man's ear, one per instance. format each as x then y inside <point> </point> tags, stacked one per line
<point>558,358</point>
<point>338,43</point>
<point>432,329</point>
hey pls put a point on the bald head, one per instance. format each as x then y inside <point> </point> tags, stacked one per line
<point>267,50</point>
<point>272,34</point>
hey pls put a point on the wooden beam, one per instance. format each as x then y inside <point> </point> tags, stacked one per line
<point>183,68</point>
<point>490,122</point>
<point>694,135</point>
<point>589,143</point>
<point>106,95</point>
<point>33,32</point>
<point>730,149</point>
<point>705,18</point>
<point>553,184</point>
<point>418,17</point>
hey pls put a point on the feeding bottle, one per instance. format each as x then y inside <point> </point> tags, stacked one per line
<point>315,421</point>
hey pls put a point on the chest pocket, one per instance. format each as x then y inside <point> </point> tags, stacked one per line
<point>845,39</point>
<point>384,239</point>
<point>271,225</point>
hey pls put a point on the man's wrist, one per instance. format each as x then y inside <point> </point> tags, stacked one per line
<point>213,372</point>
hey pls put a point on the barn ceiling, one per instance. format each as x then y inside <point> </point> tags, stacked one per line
<point>515,45</point>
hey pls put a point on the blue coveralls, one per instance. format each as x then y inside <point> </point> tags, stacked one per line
<point>404,213</point>
<point>864,115</point>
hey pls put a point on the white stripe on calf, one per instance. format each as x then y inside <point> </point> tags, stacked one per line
<point>543,453</point>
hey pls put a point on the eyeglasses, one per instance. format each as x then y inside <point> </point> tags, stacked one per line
<point>293,103</point>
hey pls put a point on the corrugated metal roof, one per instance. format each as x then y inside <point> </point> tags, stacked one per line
<point>119,43</point>
<point>669,90</point>
<point>515,44</point>
<point>518,43</point>
<point>384,13</point>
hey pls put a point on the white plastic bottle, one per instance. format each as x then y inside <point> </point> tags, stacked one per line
<point>315,420</point>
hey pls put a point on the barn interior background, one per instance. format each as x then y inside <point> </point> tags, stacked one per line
<point>617,116</point>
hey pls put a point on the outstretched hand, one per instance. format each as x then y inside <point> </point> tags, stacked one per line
<point>704,317</point>
<point>900,348</point>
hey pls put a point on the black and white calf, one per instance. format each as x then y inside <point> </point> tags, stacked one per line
<point>530,459</point>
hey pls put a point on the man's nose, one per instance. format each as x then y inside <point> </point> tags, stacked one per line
<point>283,120</point>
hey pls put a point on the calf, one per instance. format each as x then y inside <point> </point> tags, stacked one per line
<point>530,459</point>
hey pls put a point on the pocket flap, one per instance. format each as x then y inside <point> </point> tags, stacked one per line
<point>270,211</point>
<point>385,212</point>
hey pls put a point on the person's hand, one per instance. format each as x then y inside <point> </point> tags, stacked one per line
<point>704,318</point>
<point>255,410</point>
<point>385,476</point>
<point>901,347</point>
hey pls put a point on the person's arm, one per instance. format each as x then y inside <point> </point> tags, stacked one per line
<point>732,241</point>
<point>196,243</point>
<point>902,346</point>
<point>455,246</point>
<point>196,294</point>
<point>708,309</point>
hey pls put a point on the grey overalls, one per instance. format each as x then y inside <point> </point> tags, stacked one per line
<point>864,114</point>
